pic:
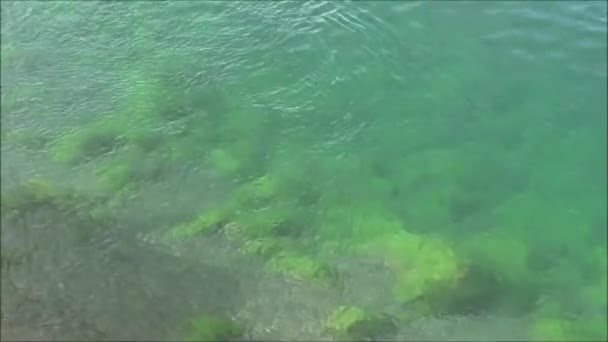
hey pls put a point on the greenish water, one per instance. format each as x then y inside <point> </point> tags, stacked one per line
<point>304,170</point>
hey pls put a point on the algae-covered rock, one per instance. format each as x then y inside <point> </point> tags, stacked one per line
<point>90,142</point>
<point>207,222</point>
<point>505,261</point>
<point>129,168</point>
<point>39,193</point>
<point>252,214</point>
<point>344,317</point>
<point>301,267</point>
<point>357,222</point>
<point>263,247</point>
<point>224,161</point>
<point>212,328</point>
<point>30,193</point>
<point>420,263</point>
<point>354,324</point>
<point>479,291</point>
<point>147,140</point>
<point>578,315</point>
<point>259,192</point>
<point>114,175</point>
<point>281,219</point>
<point>259,209</point>
<point>34,193</point>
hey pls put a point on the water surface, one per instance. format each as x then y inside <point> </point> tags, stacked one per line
<point>363,154</point>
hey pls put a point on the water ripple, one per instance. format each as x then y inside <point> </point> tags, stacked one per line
<point>294,55</point>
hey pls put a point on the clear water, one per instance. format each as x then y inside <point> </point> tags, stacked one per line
<point>439,163</point>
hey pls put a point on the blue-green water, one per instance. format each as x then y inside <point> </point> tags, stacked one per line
<point>304,170</point>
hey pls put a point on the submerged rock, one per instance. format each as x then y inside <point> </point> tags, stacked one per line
<point>212,328</point>
<point>73,273</point>
<point>354,324</point>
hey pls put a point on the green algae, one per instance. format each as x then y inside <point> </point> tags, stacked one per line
<point>420,263</point>
<point>212,328</point>
<point>354,324</point>
<point>208,222</point>
<point>301,267</point>
<point>481,194</point>
<point>99,139</point>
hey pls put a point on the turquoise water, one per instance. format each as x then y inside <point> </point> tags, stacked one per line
<point>304,170</point>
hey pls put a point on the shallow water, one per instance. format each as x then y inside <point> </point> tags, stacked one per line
<point>394,148</point>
